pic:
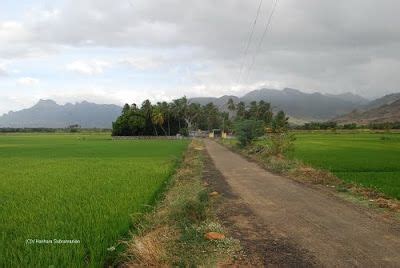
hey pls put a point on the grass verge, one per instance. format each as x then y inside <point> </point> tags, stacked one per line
<point>174,233</point>
<point>299,171</point>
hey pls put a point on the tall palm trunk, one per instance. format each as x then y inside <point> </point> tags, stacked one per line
<point>155,130</point>
<point>163,129</point>
<point>169,128</point>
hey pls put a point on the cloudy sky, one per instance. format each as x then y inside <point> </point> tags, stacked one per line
<point>117,51</point>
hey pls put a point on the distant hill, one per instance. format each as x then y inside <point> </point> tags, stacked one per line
<point>388,111</point>
<point>299,105</point>
<point>387,99</point>
<point>48,114</point>
<point>350,97</point>
<point>220,102</point>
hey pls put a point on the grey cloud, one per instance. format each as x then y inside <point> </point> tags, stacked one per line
<point>326,45</point>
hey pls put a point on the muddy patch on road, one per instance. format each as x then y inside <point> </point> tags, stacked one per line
<point>260,245</point>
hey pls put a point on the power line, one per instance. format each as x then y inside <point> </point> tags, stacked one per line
<point>267,27</point>
<point>244,55</point>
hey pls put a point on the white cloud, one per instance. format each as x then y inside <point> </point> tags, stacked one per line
<point>13,31</point>
<point>92,67</point>
<point>142,63</point>
<point>19,39</point>
<point>28,81</point>
<point>3,70</point>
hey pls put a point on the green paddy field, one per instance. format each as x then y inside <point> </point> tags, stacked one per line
<point>80,187</point>
<point>87,187</point>
<point>369,159</point>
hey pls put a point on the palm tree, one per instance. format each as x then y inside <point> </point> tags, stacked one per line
<point>264,111</point>
<point>165,110</point>
<point>253,110</point>
<point>241,110</point>
<point>180,109</point>
<point>147,110</point>
<point>158,119</point>
<point>193,115</point>
<point>231,105</point>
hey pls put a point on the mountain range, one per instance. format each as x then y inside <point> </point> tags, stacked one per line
<point>297,104</point>
<point>382,110</point>
<point>49,114</point>
<point>300,106</point>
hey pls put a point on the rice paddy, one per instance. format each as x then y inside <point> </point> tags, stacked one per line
<point>368,159</point>
<point>67,199</point>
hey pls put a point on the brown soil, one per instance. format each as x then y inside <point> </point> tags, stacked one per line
<point>260,246</point>
<point>284,223</point>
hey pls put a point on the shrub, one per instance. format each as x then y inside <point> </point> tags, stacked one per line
<point>281,143</point>
<point>184,131</point>
<point>350,126</point>
<point>248,130</point>
<point>280,122</point>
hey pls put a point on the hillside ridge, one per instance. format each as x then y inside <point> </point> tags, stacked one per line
<point>297,104</point>
<point>47,113</point>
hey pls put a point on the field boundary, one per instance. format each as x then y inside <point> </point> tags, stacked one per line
<point>176,232</point>
<point>150,138</point>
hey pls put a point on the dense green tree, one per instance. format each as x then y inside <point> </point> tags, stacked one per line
<point>231,105</point>
<point>193,116</point>
<point>165,118</point>
<point>180,110</point>
<point>213,116</point>
<point>264,112</point>
<point>248,130</point>
<point>255,111</point>
<point>180,116</point>
<point>158,119</point>
<point>165,111</point>
<point>147,112</point>
<point>252,112</point>
<point>280,122</point>
<point>240,110</point>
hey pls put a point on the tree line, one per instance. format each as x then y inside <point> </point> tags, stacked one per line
<point>73,128</point>
<point>331,125</point>
<point>180,116</point>
<point>167,118</point>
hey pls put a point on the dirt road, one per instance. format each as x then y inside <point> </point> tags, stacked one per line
<point>335,232</point>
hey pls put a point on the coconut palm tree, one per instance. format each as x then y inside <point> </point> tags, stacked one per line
<point>158,119</point>
<point>231,105</point>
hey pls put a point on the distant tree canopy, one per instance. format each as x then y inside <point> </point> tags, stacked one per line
<point>168,118</point>
<point>251,121</point>
<point>387,125</point>
<point>333,126</point>
<point>248,130</point>
<point>74,128</point>
<point>180,116</point>
<point>254,111</point>
<point>319,125</point>
<point>280,122</point>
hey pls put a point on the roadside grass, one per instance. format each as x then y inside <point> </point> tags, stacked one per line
<point>174,234</point>
<point>85,187</point>
<point>259,152</point>
<point>364,163</point>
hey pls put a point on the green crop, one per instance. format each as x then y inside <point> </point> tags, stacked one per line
<point>369,159</point>
<point>77,187</point>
